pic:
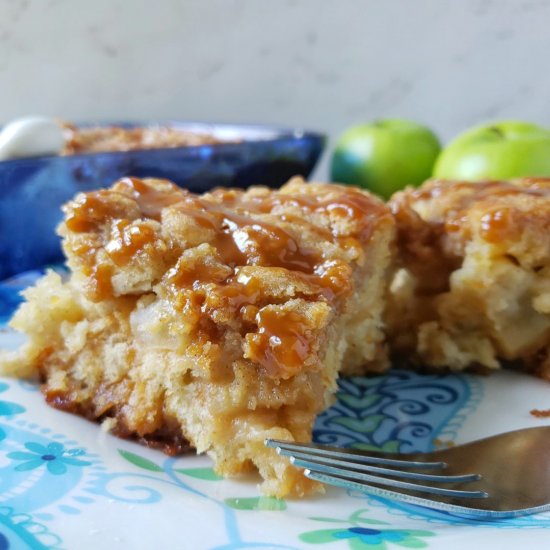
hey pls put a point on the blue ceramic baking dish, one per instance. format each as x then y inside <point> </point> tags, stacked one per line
<point>32,190</point>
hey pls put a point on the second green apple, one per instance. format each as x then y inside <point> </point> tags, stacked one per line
<point>496,151</point>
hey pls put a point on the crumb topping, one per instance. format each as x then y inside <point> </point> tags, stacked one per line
<point>116,138</point>
<point>437,221</point>
<point>496,207</point>
<point>260,261</point>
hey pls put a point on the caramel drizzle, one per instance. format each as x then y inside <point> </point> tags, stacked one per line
<point>282,341</point>
<point>497,224</point>
<point>281,344</point>
<point>479,191</point>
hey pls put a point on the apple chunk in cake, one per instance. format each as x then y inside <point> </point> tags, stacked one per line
<point>474,283</point>
<point>216,320</point>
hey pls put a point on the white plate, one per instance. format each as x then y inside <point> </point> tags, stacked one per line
<point>66,484</point>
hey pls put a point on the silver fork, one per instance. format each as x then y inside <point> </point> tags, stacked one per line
<point>506,475</point>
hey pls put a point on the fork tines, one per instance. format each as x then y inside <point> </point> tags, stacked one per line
<point>357,470</point>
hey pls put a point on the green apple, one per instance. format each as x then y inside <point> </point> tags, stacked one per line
<point>502,150</point>
<point>385,156</point>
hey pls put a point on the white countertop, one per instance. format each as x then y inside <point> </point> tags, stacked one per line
<point>316,63</point>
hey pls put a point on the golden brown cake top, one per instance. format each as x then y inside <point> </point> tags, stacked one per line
<point>266,263</point>
<point>499,213</point>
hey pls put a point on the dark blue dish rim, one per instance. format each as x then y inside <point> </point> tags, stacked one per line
<point>272,134</point>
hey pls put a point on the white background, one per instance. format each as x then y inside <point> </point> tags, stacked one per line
<point>323,64</point>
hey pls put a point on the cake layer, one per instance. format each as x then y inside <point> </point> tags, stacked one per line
<point>218,320</point>
<point>474,285</point>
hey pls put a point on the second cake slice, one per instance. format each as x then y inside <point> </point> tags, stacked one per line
<point>473,289</point>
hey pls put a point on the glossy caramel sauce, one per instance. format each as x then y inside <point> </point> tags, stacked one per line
<point>496,225</point>
<point>436,222</point>
<point>89,211</point>
<point>476,191</point>
<point>127,239</point>
<point>100,286</point>
<point>468,193</point>
<point>281,342</point>
<point>235,295</point>
<point>244,229</point>
<point>499,222</point>
<point>352,204</point>
<point>186,274</point>
<point>150,199</point>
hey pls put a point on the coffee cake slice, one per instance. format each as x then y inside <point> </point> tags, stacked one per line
<point>215,321</point>
<point>474,285</point>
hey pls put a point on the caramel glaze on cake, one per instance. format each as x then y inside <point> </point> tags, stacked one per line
<point>474,285</point>
<point>219,319</point>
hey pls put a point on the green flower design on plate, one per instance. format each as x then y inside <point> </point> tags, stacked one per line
<point>361,537</point>
<point>54,456</point>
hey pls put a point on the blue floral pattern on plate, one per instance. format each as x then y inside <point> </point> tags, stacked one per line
<point>55,467</point>
<point>399,412</point>
<point>53,456</point>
